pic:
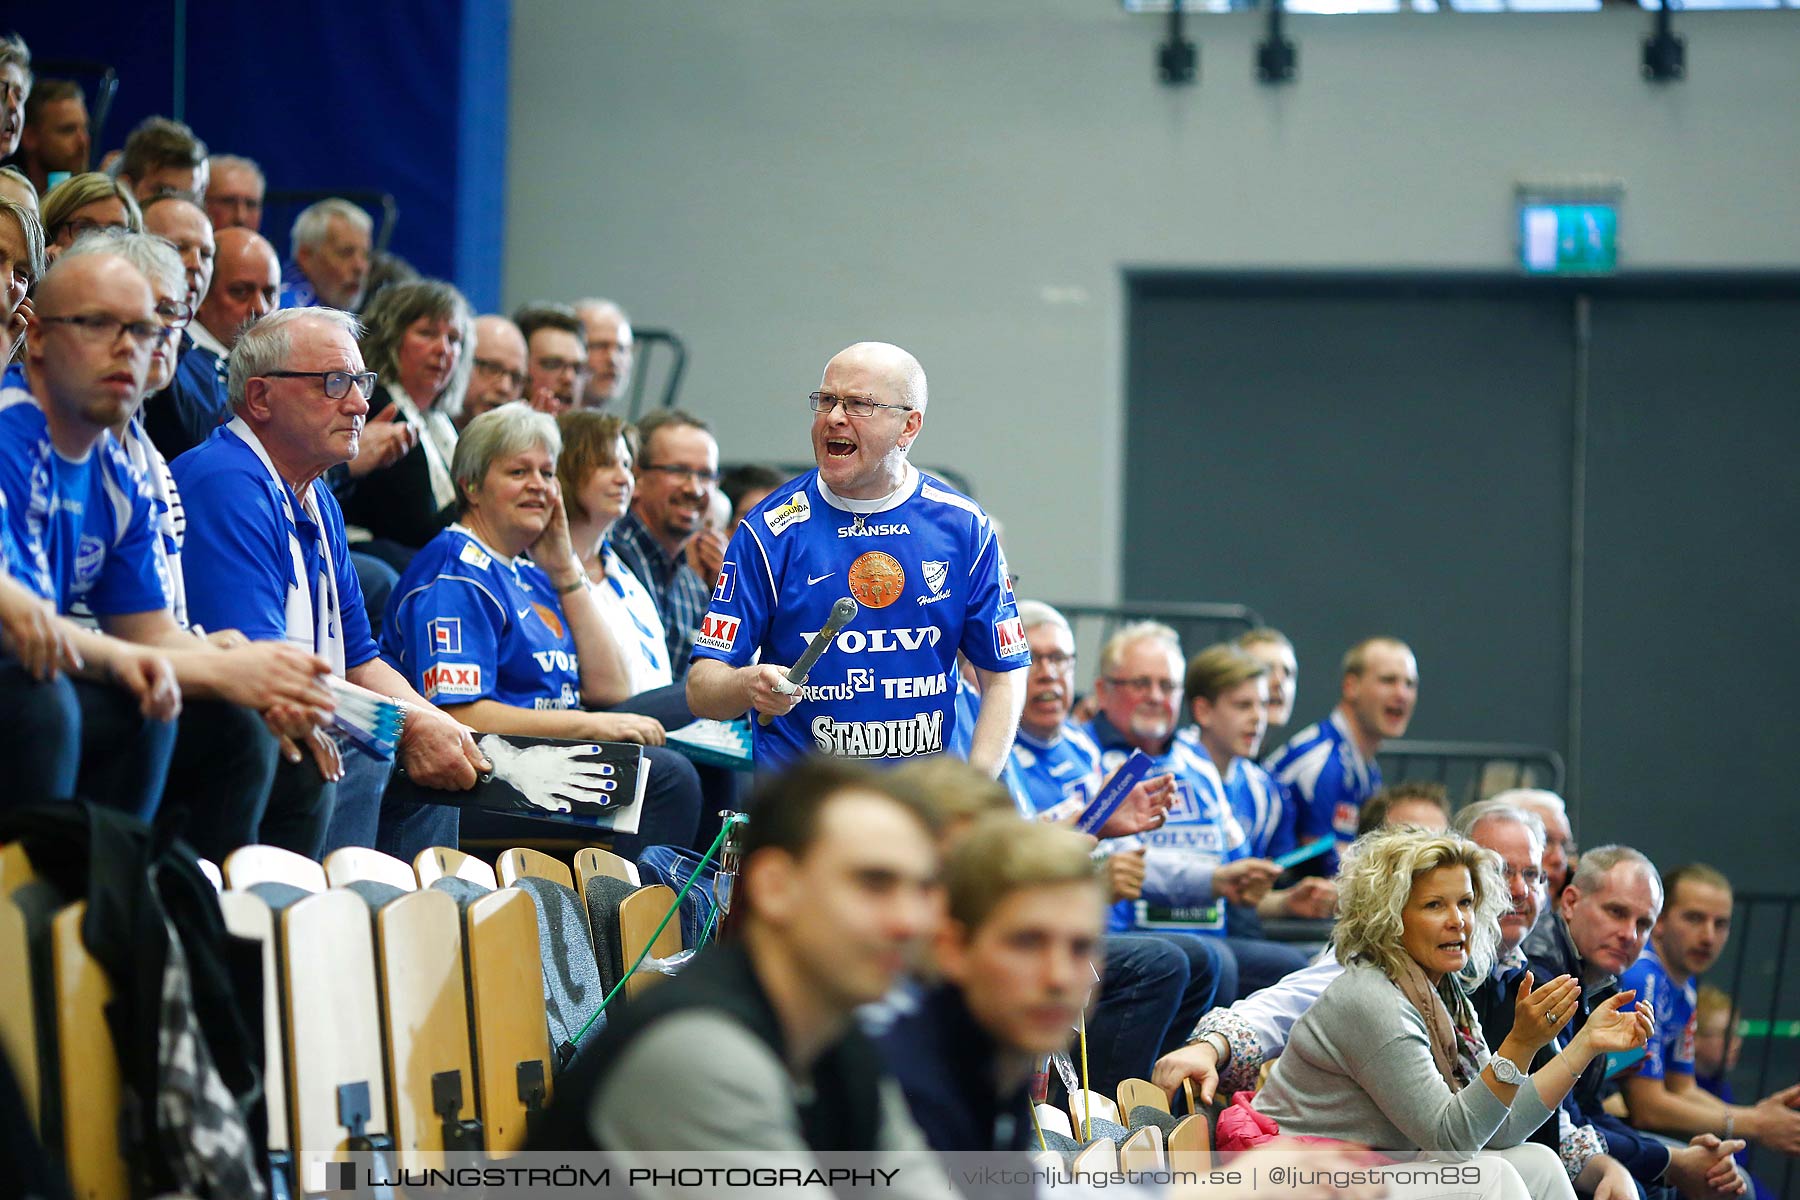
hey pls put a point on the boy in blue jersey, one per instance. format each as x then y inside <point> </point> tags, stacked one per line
<point>1661,1094</point>
<point>1329,768</point>
<point>1227,691</point>
<point>922,563</point>
<point>1200,858</point>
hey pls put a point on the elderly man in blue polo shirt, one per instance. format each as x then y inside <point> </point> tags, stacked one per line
<point>265,553</point>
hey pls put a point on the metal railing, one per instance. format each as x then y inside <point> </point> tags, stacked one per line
<point>1198,624</point>
<point>648,346</point>
<point>1472,771</point>
<point>1762,978</point>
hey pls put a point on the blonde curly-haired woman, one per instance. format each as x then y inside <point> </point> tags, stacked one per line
<point>1391,1056</point>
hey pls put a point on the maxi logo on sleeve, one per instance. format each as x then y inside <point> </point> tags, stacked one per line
<point>1009,638</point>
<point>717,632</point>
<point>452,679</point>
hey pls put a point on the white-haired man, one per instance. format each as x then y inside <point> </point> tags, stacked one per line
<point>1559,840</point>
<point>331,243</point>
<point>234,193</point>
<point>266,552</point>
<point>609,350</point>
<point>921,561</point>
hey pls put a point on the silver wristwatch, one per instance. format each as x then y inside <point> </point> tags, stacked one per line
<point>1507,1071</point>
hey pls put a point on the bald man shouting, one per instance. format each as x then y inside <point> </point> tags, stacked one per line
<point>920,560</point>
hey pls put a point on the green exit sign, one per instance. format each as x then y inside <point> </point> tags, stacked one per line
<point>1568,237</point>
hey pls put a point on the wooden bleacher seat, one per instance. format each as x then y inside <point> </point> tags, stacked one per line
<point>1054,1120</point>
<point>441,862</point>
<point>1100,1155</point>
<point>521,861</point>
<point>249,865</point>
<point>352,863</point>
<point>506,998</point>
<point>1189,1144</point>
<point>639,915</point>
<point>89,1066</point>
<point>1142,1151</point>
<point>15,867</point>
<point>592,860</point>
<point>338,1095</point>
<point>247,916</point>
<point>18,1007</point>
<point>1082,1101</point>
<point>425,1023</point>
<point>1140,1093</point>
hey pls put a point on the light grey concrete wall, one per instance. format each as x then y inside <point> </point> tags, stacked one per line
<point>777,178</point>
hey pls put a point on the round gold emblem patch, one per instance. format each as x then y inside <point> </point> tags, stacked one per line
<point>876,579</point>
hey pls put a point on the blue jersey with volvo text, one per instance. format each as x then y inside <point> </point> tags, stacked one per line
<point>1200,834</point>
<point>84,531</point>
<point>927,572</point>
<point>1325,782</point>
<point>466,624</point>
<point>1256,799</point>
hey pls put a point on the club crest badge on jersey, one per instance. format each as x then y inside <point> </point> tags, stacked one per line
<point>935,573</point>
<point>446,635</point>
<point>876,579</point>
<point>548,616</point>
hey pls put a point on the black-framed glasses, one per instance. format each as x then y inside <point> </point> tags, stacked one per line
<point>702,477</point>
<point>337,383</point>
<point>97,327</point>
<point>556,366</point>
<point>174,314</point>
<point>854,406</point>
<point>494,370</point>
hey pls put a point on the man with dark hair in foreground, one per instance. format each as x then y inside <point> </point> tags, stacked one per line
<point>753,1050</point>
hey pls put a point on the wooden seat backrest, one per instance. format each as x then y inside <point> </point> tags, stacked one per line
<point>351,863</point>
<point>332,1016</point>
<point>639,915</point>
<point>247,916</point>
<point>425,1013</point>
<point>441,862</point>
<point>271,864</point>
<point>506,990</point>
<point>91,1085</point>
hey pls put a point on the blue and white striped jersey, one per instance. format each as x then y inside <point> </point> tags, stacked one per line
<point>1326,781</point>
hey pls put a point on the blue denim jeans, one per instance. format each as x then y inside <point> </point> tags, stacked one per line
<point>1152,992</point>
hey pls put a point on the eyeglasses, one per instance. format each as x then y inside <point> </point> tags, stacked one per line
<point>556,366</point>
<point>337,383</point>
<point>80,227</point>
<point>703,478</point>
<point>1144,683</point>
<point>106,330</point>
<point>1056,660</point>
<point>174,314</point>
<point>494,370</point>
<point>1531,875</point>
<point>854,406</point>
